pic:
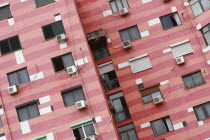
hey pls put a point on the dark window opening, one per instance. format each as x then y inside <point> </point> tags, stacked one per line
<point>84,131</point>
<point>62,62</point>
<point>202,111</point>
<point>72,95</point>
<point>10,45</point>
<point>53,29</point>
<point>111,80</point>
<point>99,48</point>
<point>170,21</point>
<point>120,109</point>
<point>5,12</point>
<point>18,77</point>
<point>131,33</point>
<point>43,2</point>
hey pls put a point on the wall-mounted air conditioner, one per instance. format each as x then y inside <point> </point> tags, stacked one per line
<point>126,44</point>
<point>80,105</point>
<point>12,89</point>
<point>180,60</point>
<point>158,99</point>
<point>123,11</point>
<point>61,37</point>
<point>72,71</point>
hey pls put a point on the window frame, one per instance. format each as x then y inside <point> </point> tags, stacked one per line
<point>116,5</point>
<point>208,25</point>
<point>127,130</point>
<point>42,4</point>
<point>204,111</point>
<point>51,24</point>
<point>190,74</point>
<point>175,20</point>
<point>71,91</point>
<point>8,40</point>
<point>26,105</point>
<point>130,33</point>
<point>201,6</point>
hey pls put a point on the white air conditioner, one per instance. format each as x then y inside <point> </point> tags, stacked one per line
<point>90,138</point>
<point>123,11</point>
<point>12,89</point>
<point>61,37</point>
<point>180,60</point>
<point>72,71</point>
<point>158,99</point>
<point>126,44</point>
<point>80,104</point>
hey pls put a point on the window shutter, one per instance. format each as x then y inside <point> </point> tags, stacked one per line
<point>104,68</point>
<point>43,2</point>
<point>181,49</point>
<point>140,63</point>
<point>5,12</point>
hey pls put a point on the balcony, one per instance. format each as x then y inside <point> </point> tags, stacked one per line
<point>111,84</point>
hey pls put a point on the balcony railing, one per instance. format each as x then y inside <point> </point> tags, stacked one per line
<point>121,114</point>
<point>112,84</point>
<point>101,54</point>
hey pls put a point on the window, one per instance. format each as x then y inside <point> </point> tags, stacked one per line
<point>28,110</point>
<point>53,29</point>
<point>62,62</point>
<point>140,63</point>
<point>193,80</point>
<point>199,6</point>
<point>5,12</point>
<point>10,45</point>
<point>170,21</point>
<point>121,112</point>
<point>18,77</point>
<point>99,48</point>
<point>162,126</point>
<point>206,34</point>
<point>72,95</point>
<point>117,5</point>
<point>43,2</point>
<point>108,76</point>
<point>202,111</point>
<point>148,93</point>
<point>40,138</point>
<point>181,48</point>
<point>1,124</point>
<point>131,33</point>
<point>83,129</point>
<point>127,132</point>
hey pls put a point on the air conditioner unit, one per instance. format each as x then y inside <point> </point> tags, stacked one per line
<point>123,11</point>
<point>126,44</point>
<point>80,104</point>
<point>180,60</point>
<point>12,89</point>
<point>61,37</point>
<point>72,71</point>
<point>158,99</point>
<point>90,138</point>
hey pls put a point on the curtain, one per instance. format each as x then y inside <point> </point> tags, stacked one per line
<point>13,79</point>
<point>23,114</point>
<point>78,94</point>
<point>125,35</point>
<point>198,79</point>
<point>199,113</point>
<point>23,76</point>
<point>188,81</point>
<point>68,99</point>
<point>33,110</point>
<point>67,60</point>
<point>158,127</point>
<point>166,22</point>
<point>134,33</point>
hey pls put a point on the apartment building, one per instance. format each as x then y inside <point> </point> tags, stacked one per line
<point>153,58</point>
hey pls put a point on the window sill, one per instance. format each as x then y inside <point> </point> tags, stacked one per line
<point>172,27</point>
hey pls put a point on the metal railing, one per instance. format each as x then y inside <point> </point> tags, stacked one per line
<point>112,84</point>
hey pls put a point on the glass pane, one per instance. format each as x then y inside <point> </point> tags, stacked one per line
<point>67,60</point>
<point>158,127</point>
<point>113,6</point>
<point>125,3</point>
<point>169,124</point>
<point>205,4</point>
<point>78,94</point>
<point>23,114</point>
<point>124,136</point>
<point>119,4</point>
<point>15,43</point>
<point>132,135</point>
<point>68,99</point>
<point>167,22</point>
<point>48,31</point>
<point>134,33</point>
<point>196,8</point>
<point>207,37</point>
<point>205,29</point>
<point>207,106</point>
<point>126,128</point>
<point>199,113</point>
<point>43,2</point>
<point>89,130</point>
<point>33,110</point>
<point>198,79</point>
<point>13,79</point>
<point>147,99</point>
<point>125,35</point>
<point>188,81</point>
<point>23,75</point>
<point>1,124</point>
<point>4,45</point>
<point>58,28</point>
